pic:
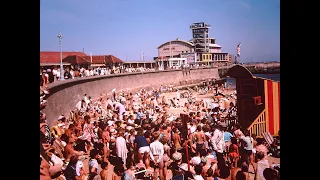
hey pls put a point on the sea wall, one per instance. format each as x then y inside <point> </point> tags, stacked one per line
<point>65,94</point>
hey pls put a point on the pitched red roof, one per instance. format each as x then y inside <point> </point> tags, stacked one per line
<point>54,57</point>
<point>102,59</point>
<point>96,59</point>
<point>75,59</point>
<point>113,59</point>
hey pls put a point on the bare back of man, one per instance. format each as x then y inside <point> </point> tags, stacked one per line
<point>200,138</point>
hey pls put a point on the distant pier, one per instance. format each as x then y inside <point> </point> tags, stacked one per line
<point>256,68</point>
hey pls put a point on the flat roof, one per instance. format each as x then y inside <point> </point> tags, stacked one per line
<point>214,45</point>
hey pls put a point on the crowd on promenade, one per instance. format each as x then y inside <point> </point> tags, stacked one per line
<point>51,75</point>
<point>139,136</point>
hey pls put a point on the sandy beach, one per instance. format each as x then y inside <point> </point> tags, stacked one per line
<point>176,111</point>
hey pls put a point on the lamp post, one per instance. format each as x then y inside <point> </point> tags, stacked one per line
<point>61,65</point>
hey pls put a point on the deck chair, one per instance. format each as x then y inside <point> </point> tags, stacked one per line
<point>268,137</point>
<point>172,103</point>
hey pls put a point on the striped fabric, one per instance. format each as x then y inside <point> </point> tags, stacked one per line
<point>268,137</point>
<point>272,106</point>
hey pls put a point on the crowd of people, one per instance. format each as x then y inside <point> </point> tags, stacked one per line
<point>53,74</point>
<point>139,137</point>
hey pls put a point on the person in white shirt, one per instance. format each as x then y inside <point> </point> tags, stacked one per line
<point>262,164</point>
<point>121,146</point>
<point>72,74</point>
<point>122,99</point>
<point>81,105</point>
<point>156,155</point>
<point>54,72</point>
<point>247,142</point>
<point>198,170</point>
<point>120,107</point>
<point>196,160</point>
<point>217,142</point>
<point>86,72</point>
<point>93,163</point>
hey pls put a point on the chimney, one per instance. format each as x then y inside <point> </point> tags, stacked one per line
<point>83,50</point>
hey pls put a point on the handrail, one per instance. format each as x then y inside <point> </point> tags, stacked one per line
<point>258,126</point>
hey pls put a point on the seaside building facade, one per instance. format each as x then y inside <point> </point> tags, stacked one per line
<point>174,53</point>
<point>201,49</point>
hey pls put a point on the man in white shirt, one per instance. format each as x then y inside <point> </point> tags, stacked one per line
<point>198,170</point>
<point>121,146</point>
<point>120,107</point>
<point>218,143</point>
<point>122,99</point>
<point>54,72</point>
<point>156,155</point>
<point>93,163</point>
<point>247,140</point>
<point>262,164</point>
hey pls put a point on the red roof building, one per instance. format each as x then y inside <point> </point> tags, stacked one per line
<point>53,58</point>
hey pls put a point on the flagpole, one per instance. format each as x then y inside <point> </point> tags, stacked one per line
<point>90,55</point>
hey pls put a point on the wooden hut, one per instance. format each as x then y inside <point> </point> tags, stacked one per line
<point>258,101</point>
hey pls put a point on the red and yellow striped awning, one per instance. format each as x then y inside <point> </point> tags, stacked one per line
<point>272,105</point>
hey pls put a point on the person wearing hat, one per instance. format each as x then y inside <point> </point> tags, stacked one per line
<point>58,129</point>
<point>174,166</point>
<point>156,155</point>
<point>181,168</point>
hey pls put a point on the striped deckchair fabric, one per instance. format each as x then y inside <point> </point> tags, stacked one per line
<point>268,137</point>
<point>272,106</point>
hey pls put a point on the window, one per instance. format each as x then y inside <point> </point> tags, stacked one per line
<point>165,49</point>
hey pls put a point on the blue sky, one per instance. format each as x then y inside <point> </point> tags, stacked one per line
<point>125,28</point>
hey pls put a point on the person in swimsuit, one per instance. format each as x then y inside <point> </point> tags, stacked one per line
<point>233,152</point>
<point>200,138</point>
<point>176,139</point>
<point>166,155</point>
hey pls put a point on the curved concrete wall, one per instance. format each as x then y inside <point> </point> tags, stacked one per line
<point>65,94</point>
